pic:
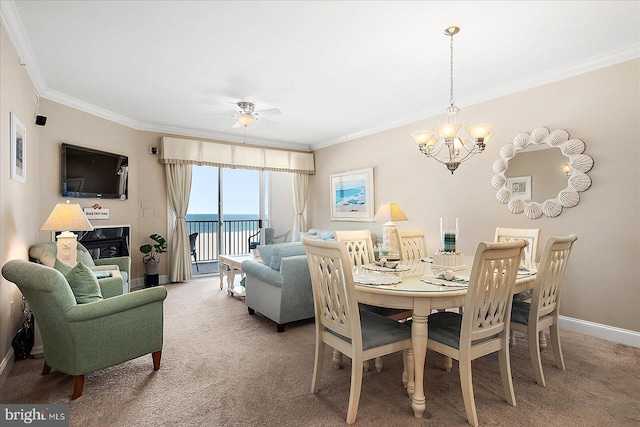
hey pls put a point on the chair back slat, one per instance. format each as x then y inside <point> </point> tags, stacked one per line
<point>335,302</point>
<point>358,244</point>
<point>530,235</point>
<point>488,301</point>
<point>411,242</point>
<point>546,293</point>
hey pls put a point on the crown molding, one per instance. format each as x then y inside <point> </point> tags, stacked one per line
<point>12,22</point>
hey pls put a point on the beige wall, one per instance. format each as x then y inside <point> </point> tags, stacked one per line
<point>19,219</point>
<point>145,210</point>
<point>602,108</point>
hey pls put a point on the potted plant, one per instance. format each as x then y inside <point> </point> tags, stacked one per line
<point>151,259</point>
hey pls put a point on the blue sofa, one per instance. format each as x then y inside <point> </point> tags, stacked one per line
<point>279,288</point>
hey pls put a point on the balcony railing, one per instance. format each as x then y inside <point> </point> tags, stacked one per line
<point>235,237</point>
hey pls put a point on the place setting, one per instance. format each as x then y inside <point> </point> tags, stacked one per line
<point>447,278</point>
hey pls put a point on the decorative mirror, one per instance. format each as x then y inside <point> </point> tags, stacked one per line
<point>521,192</point>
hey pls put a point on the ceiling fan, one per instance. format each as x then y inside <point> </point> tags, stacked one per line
<point>247,114</point>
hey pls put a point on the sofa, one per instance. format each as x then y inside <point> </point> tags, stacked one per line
<point>279,287</point>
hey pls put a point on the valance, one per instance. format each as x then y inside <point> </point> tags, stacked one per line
<point>220,154</point>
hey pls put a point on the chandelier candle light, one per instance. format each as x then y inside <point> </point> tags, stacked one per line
<point>455,149</point>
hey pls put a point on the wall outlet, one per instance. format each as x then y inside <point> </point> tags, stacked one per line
<point>11,310</point>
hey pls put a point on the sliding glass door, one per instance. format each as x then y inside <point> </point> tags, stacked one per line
<point>226,209</point>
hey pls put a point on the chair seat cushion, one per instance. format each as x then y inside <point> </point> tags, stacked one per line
<point>383,311</point>
<point>444,327</point>
<point>520,312</point>
<point>377,330</point>
<point>84,284</point>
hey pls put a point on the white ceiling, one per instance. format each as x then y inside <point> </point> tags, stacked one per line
<point>336,70</point>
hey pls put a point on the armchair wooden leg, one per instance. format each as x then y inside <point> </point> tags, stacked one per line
<point>46,368</point>
<point>156,355</point>
<point>78,385</point>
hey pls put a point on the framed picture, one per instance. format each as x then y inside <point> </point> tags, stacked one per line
<point>352,195</point>
<point>18,149</point>
<point>520,187</point>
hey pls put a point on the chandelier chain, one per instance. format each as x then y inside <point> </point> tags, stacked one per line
<point>451,72</point>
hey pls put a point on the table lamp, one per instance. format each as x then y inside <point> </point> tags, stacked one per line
<point>389,212</point>
<point>65,217</point>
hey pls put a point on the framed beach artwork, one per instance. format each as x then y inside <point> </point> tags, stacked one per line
<point>352,195</point>
<point>18,149</point>
<point>520,187</point>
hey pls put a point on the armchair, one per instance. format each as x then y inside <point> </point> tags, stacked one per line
<point>45,254</point>
<point>82,338</point>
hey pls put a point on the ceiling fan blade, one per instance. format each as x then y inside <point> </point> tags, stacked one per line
<point>236,125</point>
<point>266,121</point>
<point>269,111</point>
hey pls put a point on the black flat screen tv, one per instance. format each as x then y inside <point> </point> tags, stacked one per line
<point>89,173</point>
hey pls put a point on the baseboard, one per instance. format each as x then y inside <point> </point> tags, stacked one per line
<point>6,365</point>
<point>610,333</point>
<point>138,282</point>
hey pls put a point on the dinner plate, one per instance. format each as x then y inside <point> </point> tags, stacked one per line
<point>375,267</point>
<point>441,282</point>
<point>375,279</point>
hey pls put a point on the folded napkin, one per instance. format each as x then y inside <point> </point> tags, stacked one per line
<point>458,279</point>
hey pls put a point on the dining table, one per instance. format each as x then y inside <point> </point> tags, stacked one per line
<point>416,285</point>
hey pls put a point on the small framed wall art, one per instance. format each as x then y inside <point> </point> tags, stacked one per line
<point>352,195</point>
<point>520,187</point>
<point>18,149</point>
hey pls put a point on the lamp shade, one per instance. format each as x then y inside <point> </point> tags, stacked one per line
<point>390,212</point>
<point>67,217</point>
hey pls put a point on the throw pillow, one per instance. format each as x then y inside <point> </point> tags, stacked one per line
<point>285,250</point>
<point>84,284</point>
<point>265,253</point>
<point>62,267</point>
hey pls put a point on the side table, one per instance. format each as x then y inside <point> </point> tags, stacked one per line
<point>229,266</point>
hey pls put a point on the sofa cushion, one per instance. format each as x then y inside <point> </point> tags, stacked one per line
<point>284,250</point>
<point>84,256</point>
<point>265,253</point>
<point>84,284</point>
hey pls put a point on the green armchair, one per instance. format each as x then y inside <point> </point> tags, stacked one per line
<point>82,338</point>
<point>45,253</point>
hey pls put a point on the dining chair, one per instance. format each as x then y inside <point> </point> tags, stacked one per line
<point>359,246</point>
<point>531,235</point>
<point>360,250</point>
<point>542,312</point>
<point>361,335</point>
<point>411,242</point>
<point>483,328</point>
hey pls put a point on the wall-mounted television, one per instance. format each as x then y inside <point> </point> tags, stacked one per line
<point>89,173</point>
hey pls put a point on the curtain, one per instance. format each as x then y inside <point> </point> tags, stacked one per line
<point>300,197</point>
<point>227,155</point>
<point>179,189</point>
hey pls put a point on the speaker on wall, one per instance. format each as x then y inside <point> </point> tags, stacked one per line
<point>41,120</point>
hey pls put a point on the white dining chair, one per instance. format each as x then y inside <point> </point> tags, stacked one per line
<point>483,328</point>
<point>411,242</point>
<point>359,246</point>
<point>531,235</point>
<point>542,312</point>
<point>360,250</point>
<point>361,335</point>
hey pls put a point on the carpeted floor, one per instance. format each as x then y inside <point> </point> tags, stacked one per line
<point>222,367</point>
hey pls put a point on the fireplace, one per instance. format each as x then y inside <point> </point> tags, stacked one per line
<point>106,242</point>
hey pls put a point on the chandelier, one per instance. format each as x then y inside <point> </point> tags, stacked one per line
<point>444,140</point>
